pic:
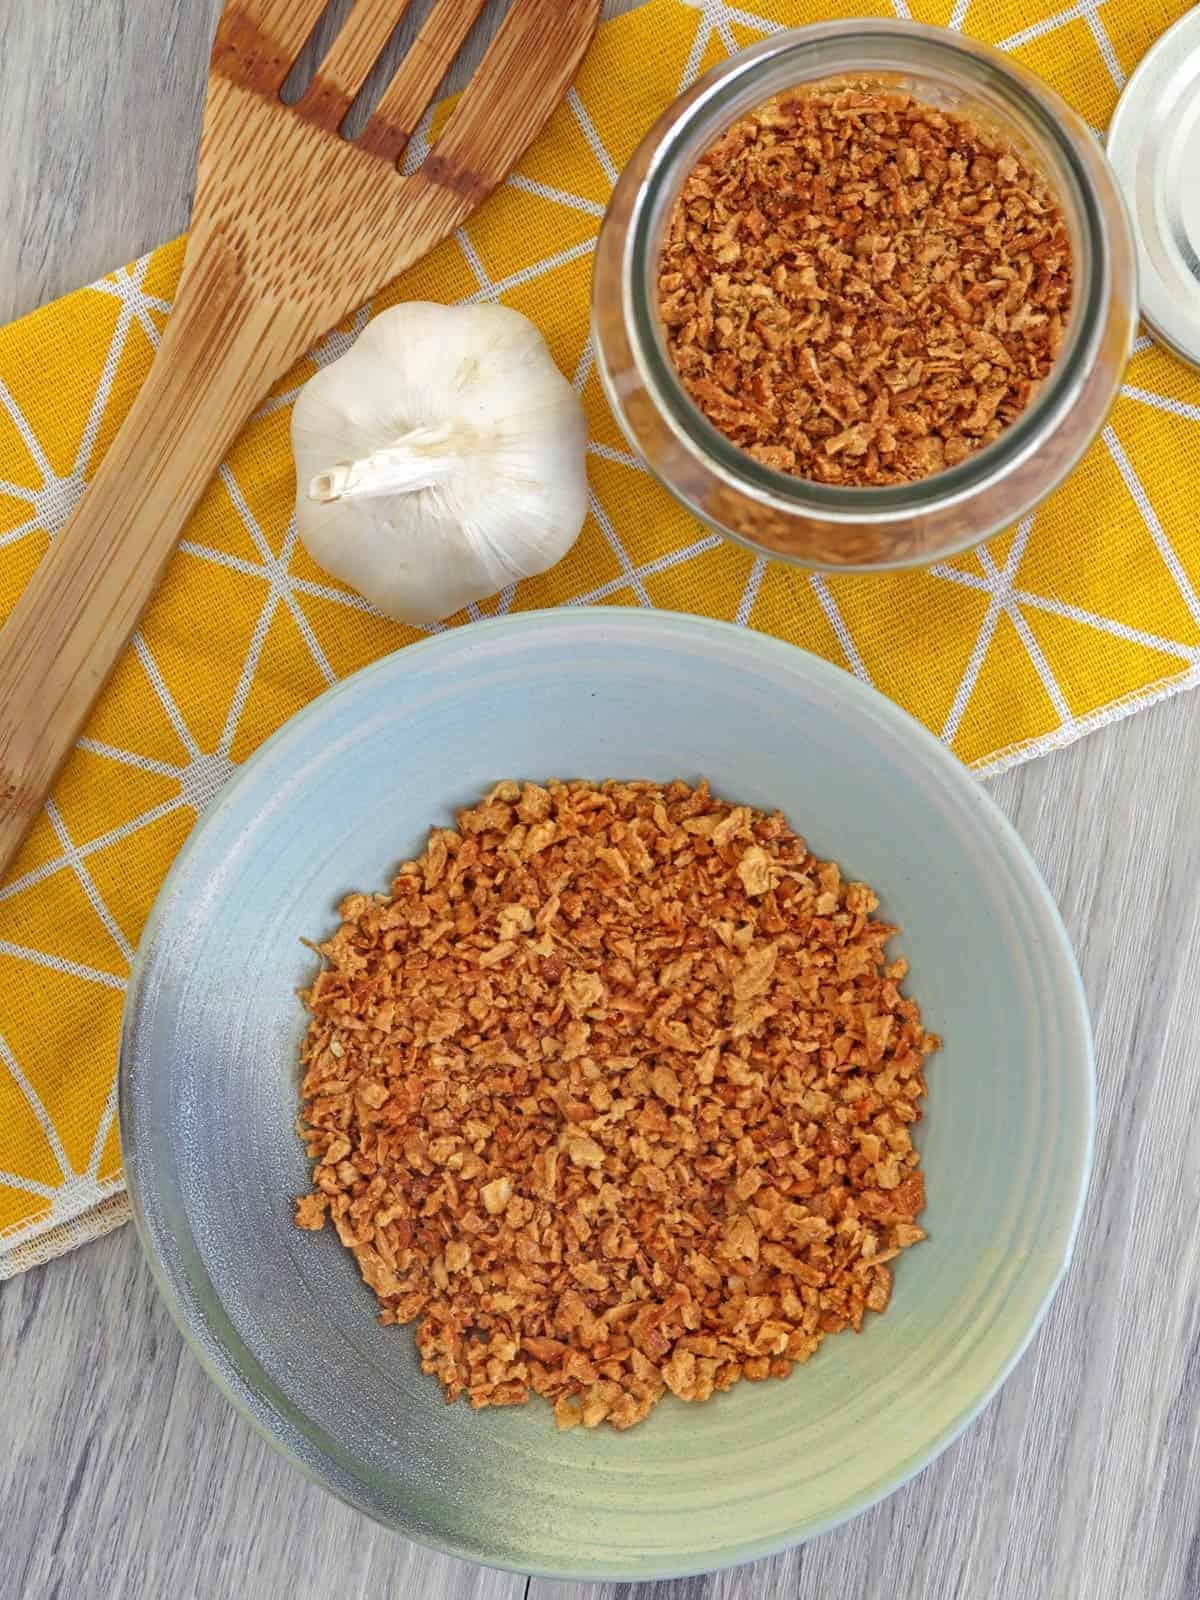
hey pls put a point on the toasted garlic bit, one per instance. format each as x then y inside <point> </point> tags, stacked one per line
<point>439,459</point>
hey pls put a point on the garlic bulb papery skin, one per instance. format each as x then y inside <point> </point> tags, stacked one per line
<point>440,459</point>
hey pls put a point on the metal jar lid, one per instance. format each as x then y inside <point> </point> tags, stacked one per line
<point>1154,145</point>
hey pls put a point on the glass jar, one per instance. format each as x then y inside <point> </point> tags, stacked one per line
<point>826,526</point>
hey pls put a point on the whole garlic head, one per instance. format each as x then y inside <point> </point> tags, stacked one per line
<point>441,458</point>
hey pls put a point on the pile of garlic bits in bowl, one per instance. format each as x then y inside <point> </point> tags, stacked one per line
<point>440,459</point>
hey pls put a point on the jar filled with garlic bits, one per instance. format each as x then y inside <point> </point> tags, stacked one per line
<point>864,295</point>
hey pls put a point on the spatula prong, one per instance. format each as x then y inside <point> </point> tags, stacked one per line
<point>351,56</point>
<point>258,40</point>
<point>408,95</point>
<point>511,93</point>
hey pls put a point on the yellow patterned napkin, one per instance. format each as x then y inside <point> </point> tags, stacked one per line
<point>1086,612</point>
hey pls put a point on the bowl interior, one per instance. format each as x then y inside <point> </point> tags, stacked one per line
<point>209,1090</point>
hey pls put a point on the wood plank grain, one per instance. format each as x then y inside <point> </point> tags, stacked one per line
<point>126,1474</point>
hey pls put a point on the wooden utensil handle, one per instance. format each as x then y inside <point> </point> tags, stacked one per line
<point>78,611</point>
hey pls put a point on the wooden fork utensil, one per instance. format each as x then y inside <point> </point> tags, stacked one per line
<point>293,226</point>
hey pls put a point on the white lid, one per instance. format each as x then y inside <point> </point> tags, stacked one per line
<point>1154,145</point>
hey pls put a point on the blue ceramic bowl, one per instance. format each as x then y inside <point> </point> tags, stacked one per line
<point>209,1090</point>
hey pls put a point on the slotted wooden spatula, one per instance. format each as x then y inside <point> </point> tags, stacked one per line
<point>292,227</point>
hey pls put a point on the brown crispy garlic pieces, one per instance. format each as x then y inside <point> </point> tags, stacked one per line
<point>612,1095</point>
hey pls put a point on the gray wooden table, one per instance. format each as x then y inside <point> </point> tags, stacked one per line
<point>124,1474</point>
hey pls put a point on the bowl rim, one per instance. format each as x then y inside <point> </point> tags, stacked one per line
<point>240,1376</point>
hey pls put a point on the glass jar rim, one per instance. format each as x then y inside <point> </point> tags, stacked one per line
<point>732,89</point>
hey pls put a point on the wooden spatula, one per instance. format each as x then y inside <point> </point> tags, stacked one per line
<point>292,227</point>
